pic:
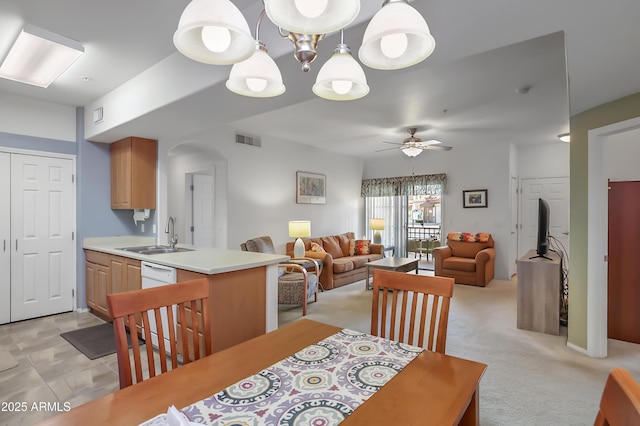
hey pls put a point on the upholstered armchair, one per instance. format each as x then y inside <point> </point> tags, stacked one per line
<point>468,258</point>
<point>296,284</point>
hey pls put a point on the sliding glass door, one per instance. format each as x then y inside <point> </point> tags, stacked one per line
<point>411,209</point>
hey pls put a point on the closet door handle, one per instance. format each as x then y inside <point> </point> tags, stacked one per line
<point>16,244</point>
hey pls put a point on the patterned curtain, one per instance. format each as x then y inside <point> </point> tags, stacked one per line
<point>405,185</point>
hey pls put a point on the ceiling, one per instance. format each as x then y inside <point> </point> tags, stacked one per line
<point>466,92</point>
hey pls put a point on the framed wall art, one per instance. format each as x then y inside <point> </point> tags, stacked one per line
<point>311,188</point>
<point>474,198</point>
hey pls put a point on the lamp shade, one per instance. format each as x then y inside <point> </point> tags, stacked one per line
<point>257,77</point>
<point>299,228</point>
<point>396,37</point>
<point>312,16</point>
<point>341,78</point>
<point>565,137</point>
<point>213,32</point>
<point>376,224</point>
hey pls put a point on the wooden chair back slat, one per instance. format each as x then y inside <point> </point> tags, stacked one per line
<point>420,299</point>
<point>620,402</point>
<point>123,308</point>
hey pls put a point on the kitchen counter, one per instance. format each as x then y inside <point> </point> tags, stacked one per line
<point>205,260</point>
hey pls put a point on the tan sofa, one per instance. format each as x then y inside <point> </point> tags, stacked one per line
<point>468,262</point>
<point>339,268</point>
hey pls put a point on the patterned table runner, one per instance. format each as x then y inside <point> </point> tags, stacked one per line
<point>320,385</point>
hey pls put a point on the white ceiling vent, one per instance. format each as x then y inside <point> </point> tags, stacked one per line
<point>248,140</point>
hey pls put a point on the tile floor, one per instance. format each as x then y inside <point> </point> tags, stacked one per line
<point>50,369</point>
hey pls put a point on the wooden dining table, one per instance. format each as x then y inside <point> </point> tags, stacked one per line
<point>432,389</point>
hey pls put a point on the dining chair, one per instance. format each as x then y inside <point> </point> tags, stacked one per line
<point>409,307</point>
<point>620,402</point>
<point>179,304</point>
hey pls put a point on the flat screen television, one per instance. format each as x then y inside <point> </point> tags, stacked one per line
<point>542,244</point>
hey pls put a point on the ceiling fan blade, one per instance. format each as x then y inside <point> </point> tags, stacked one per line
<point>393,143</point>
<point>438,147</point>
<point>387,149</point>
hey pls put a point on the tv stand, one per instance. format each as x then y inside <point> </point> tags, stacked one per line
<point>540,256</point>
<point>539,283</point>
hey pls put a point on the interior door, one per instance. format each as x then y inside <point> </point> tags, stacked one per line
<point>555,190</point>
<point>203,199</point>
<point>513,249</point>
<point>623,312</point>
<point>42,227</point>
<point>5,229</point>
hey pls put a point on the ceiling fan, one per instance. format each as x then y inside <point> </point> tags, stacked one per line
<point>413,146</point>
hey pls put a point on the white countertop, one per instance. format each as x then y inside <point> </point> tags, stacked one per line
<point>206,260</point>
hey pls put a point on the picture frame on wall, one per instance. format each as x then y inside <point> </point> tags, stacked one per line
<point>473,198</point>
<point>311,188</point>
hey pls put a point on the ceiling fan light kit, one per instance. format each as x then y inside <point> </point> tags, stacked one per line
<point>413,146</point>
<point>215,32</point>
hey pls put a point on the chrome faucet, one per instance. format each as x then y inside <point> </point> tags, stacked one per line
<point>173,237</point>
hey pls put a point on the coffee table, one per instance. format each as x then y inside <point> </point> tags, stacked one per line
<point>397,264</point>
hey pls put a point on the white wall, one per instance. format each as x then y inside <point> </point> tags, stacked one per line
<point>621,153</point>
<point>30,117</point>
<point>261,187</point>
<point>473,166</point>
<point>467,167</point>
<point>550,160</point>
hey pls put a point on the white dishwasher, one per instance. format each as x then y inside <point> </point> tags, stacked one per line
<point>154,275</point>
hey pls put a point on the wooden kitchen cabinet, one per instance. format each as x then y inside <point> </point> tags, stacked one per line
<point>125,274</point>
<point>107,274</point>
<point>98,282</point>
<point>133,173</point>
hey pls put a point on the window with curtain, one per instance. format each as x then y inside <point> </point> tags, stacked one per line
<point>388,199</point>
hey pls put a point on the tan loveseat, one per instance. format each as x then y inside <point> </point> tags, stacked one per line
<point>468,258</point>
<point>339,267</point>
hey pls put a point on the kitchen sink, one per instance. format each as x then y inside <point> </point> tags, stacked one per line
<point>155,249</point>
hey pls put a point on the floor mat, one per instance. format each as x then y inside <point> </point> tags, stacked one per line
<point>94,342</point>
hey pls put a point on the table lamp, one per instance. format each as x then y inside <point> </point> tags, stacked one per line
<point>299,229</point>
<point>377,225</point>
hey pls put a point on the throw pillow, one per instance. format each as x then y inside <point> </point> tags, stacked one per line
<point>317,248</point>
<point>358,247</point>
<point>482,237</point>
<point>331,246</point>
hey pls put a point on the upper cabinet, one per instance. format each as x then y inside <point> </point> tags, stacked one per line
<point>133,173</point>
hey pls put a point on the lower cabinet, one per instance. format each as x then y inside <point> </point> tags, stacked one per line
<point>107,274</point>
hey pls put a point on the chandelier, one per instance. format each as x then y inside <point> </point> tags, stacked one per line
<point>215,32</point>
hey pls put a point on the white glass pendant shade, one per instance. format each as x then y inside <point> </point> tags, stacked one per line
<point>396,37</point>
<point>213,32</point>
<point>312,16</point>
<point>257,77</point>
<point>411,151</point>
<point>341,78</point>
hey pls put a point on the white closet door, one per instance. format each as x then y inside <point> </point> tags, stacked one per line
<point>5,243</point>
<point>42,225</point>
<point>555,190</point>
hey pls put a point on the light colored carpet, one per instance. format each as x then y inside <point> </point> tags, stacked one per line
<point>531,379</point>
<point>7,361</point>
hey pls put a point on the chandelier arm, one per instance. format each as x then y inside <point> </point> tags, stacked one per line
<point>259,23</point>
<point>283,35</point>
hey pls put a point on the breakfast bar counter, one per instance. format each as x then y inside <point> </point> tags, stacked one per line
<point>243,286</point>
